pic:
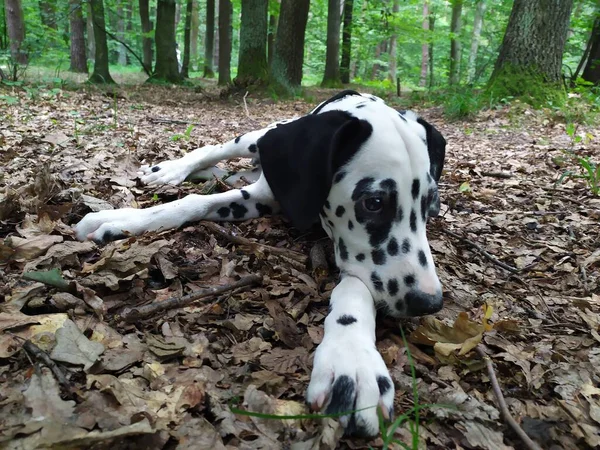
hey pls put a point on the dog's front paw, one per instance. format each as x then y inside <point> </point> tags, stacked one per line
<point>110,225</point>
<point>167,172</point>
<point>349,375</point>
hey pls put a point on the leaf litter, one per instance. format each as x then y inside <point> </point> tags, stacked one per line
<point>518,256</point>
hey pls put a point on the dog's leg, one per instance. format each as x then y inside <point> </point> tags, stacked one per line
<point>239,204</point>
<point>348,372</point>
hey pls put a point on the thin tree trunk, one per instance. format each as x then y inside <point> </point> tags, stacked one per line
<point>392,63</point>
<point>194,35</point>
<point>346,42</point>
<point>592,67</point>
<point>424,46</point>
<point>100,74</point>
<point>431,28</point>
<point>122,51</point>
<point>78,56</point>
<point>331,78</point>
<point>167,66</point>
<point>209,43</point>
<point>16,30</point>
<point>477,25</point>
<point>225,12</point>
<point>271,38</point>
<point>376,66</point>
<point>252,64</point>
<point>91,42</point>
<point>147,31</point>
<point>455,45</point>
<point>216,35</point>
<point>185,67</point>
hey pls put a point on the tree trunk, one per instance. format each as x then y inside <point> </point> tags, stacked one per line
<point>16,30</point>
<point>100,73</point>
<point>346,42</point>
<point>392,63</point>
<point>185,67</point>
<point>91,42</point>
<point>592,67</point>
<point>48,13</point>
<point>431,28</point>
<point>252,64</point>
<point>216,35</point>
<point>331,78</point>
<point>146,33</point>
<point>532,48</point>
<point>477,25</point>
<point>286,70</point>
<point>376,66</point>
<point>225,12</point>
<point>455,45</point>
<point>194,35</point>
<point>167,66</point>
<point>209,43</point>
<point>271,38</point>
<point>425,46</point>
<point>122,51</point>
<point>77,25</point>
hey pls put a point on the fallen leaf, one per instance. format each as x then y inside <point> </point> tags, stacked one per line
<point>74,348</point>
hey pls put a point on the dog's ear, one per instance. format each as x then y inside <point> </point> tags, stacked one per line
<point>300,158</point>
<point>436,146</point>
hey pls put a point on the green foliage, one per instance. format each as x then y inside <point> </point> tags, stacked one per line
<point>585,168</point>
<point>186,134</point>
<point>460,102</point>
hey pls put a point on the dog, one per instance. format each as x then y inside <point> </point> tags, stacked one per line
<point>369,173</point>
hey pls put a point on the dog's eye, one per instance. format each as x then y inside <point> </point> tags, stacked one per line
<point>373,204</point>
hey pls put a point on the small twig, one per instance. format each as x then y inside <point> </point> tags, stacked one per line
<point>44,358</point>
<point>239,240</point>
<point>502,403</point>
<point>246,105</point>
<point>136,313</point>
<point>584,281</point>
<point>527,213</point>
<point>484,253</point>
<point>496,174</point>
<point>177,122</point>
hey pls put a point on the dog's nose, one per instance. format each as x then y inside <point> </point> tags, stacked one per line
<point>420,304</point>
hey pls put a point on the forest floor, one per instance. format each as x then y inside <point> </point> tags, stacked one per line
<point>102,378</point>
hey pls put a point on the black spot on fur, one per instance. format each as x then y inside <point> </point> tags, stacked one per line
<point>406,246</point>
<point>378,256</point>
<point>401,114</point>
<point>343,250</point>
<point>409,280</point>
<point>362,105</point>
<point>360,257</point>
<point>339,177</point>
<point>377,282</point>
<point>245,194</point>
<point>223,212</point>
<point>333,99</point>
<point>392,286</point>
<point>388,184</point>
<point>109,236</point>
<point>327,205</point>
<point>263,210</point>
<point>362,187</point>
<point>237,139</point>
<point>346,319</point>
<point>238,211</point>
<point>373,98</point>
<point>350,225</point>
<point>413,221</point>
<point>342,396</point>
<point>422,258</point>
<point>399,215</point>
<point>424,201</point>
<point>384,384</point>
<point>155,168</point>
<point>416,187</point>
<point>330,223</point>
<point>252,148</point>
<point>392,247</point>
<point>339,211</point>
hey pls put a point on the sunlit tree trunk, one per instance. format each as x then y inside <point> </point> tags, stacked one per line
<point>591,72</point>
<point>209,42</point>
<point>424,46</point>
<point>346,42</point>
<point>167,67</point>
<point>122,51</point>
<point>431,60</point>
<point>146,30</point>
<point>252,63</point>
<point>91,42</point>
<point>455,45</point>
<point>225,12</point>
<point>16,30</point>
<point>331,77</point>
<point>100,73</point>
<point>477,25</point>
<point>194,35</point>
<point>77,25</point>
<point>273,21</point>
<point>185,66</point>
<point>393,46</point>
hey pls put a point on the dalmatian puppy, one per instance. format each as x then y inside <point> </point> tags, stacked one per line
<point>369,173</point>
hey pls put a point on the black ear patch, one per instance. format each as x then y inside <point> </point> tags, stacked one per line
<point>299,160</point>
<point>436,147</point>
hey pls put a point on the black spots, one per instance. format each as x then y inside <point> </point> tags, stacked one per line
<point>223,212</point>
<point>346,319</point>
<point>342,396</point>
<point>388,184</point>
<point>416,187</point>
<point>263,210</point>
<point>343,250</point>
<point>376,280</point>
<point>252,148</point>
<point>399,215</point>
<point>330,223</point>
<point>392,286</point>
<point>409,280</point>
<point>406,246</point>
<point>362,187</point>
<point>350,225</point>
<point>109,236</point>
<point>339,177</point>
<point>360,257</point>
<point>373,98</point>
<point>422,258</point>
<point>392,247</point>
<point>413,221</point>
<point>256,169</point>
<point>362,105</point>
<point>384,384</point>
<point>378,232</point>
<point>424,201</point>
<point>333,99</point>
<point>401,114</point>
<point>155,168</point>
<point>339,211</point>
<point>378,256</point>
<point>238,211</point>
<point>245,194</point>
<point>327,205</point>
<point>237,139</point>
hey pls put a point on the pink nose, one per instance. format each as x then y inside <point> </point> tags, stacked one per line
<point>429,284</point>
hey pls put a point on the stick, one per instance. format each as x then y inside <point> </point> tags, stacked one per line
<point>136,313</point>
<point>502,403</point>
<point>528,213</point>
<point>246,105</point>
<point>496,174</point>
<point>484,253</point>
<point>177,122</point>
<point>238,240</point>
<point>44,358</point>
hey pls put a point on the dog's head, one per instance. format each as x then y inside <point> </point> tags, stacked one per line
<point>370,173</point>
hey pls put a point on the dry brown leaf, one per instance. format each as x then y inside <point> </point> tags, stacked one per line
<point>74,348</point>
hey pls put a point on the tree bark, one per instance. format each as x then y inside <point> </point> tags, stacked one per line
<point>16,30</point>
<point>225,12</point>
<point>185,66</point>
<point>477,25</point>
<point>591,72</point>
<point>77,25</point>
<point>121,50</point>
<point>346,42</point>
<point>431,28</point>
<point>100,74</point>
<point>146,36</point>
<point>194,35</point>
<point>252,63</point>
<point>455,45</point>
<point>286,70</point>
<point>48,13</point>
<point>167,67</point>
<point>209,43</point>
<point>271,38</point>
<point>424,46</point>
<point>91,42</point>
<point>331,78</point>
<point>392,63</point>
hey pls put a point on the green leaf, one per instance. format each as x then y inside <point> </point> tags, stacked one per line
<point>465,187</point>
<point>50,277</point>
